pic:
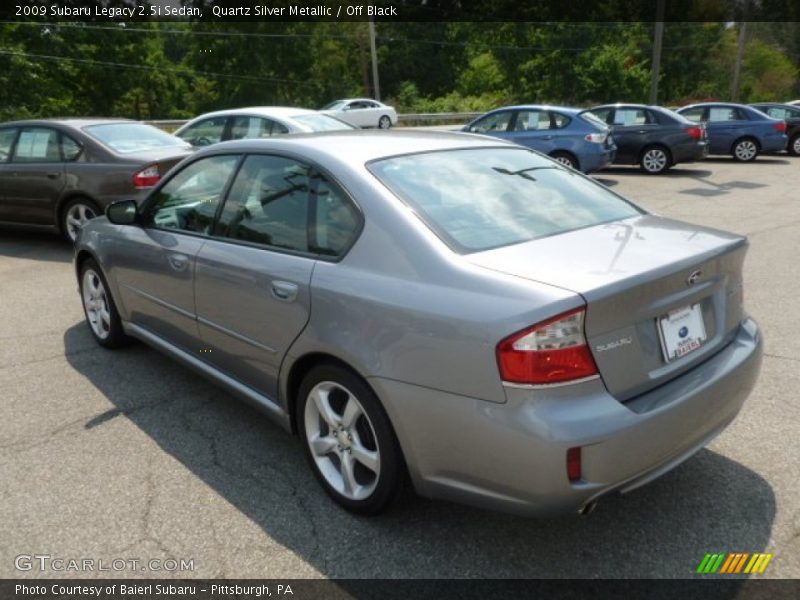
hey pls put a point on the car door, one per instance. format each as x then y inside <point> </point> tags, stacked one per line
<point>533,128</point>
<point>632,128</point>
<point>34,177</point>
<point>154,264</point>
<point>252,288</point>
<point>7,137</point>
<point>725,125</point>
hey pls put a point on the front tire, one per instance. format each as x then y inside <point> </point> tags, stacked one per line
<point>794,145</point>
<point>101,313</point>
<point>655,160</point>
<point>384,122</point>
<point>75,215</point>
<point>745,150</point>
<point>348,440</point>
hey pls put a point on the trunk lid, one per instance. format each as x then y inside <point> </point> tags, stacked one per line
<point>632,274</point>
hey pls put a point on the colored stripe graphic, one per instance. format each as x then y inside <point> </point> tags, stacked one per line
<point>734,563</point>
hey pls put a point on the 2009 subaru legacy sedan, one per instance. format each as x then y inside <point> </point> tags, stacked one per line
<point>496,325</point>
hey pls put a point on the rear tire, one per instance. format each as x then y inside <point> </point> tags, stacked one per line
<point>745,150</point>
<point>655,160</point>
<point>348,440</point>
<point>566,159</point>
<point>794,145</point>
<point>101,313</point>
<point>75,214</point>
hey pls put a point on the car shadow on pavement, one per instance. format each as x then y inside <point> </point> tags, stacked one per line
<point>709,504</point>
<point>34,245</point>
<point>770,159</point>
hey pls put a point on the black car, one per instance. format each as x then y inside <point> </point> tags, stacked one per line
<point>790,114</point>
<point>653,137</point>
<point>58,173</point>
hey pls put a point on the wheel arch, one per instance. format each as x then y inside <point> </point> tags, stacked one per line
<point>65,200</point>
<point>652,145</point>
<point>568,153</point>
<point>746,136</point>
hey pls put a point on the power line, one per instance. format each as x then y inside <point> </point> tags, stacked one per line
<point>151,68</point>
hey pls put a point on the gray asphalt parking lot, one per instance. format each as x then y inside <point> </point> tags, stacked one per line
<point>129,455</point>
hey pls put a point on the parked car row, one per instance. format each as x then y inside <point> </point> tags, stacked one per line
<point>653,137</point>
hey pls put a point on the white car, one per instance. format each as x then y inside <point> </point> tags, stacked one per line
<point>363,112</point>
<point>794,103</point>
<point>256,122</point>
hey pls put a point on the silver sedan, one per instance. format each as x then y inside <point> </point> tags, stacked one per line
<point>457,312</point>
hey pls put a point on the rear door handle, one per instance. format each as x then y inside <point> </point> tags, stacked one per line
<point>284,291</point>
<point>53,175</point>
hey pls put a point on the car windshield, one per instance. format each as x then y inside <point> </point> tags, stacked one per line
<point>133,137</point>
<point>336,105</point>
<point>316,122</point>
<point>478,199</point>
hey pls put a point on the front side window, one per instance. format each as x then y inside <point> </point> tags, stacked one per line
<point>485,198</point>
<point>495,122</point>
<point>601,114</point>
<point>37,144</point>
<point>288,205</point>
<point>132,137</point>
<point>205,133</point>
<point>6,141</point>
<point>189,200</point>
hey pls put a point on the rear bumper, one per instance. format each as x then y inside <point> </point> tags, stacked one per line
<point>690,152</point>
<point>596,159</point>
<point>774,143</point>
<point>512,456</point>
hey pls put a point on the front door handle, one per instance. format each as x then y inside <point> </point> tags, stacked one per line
<point>178,261</point>
<point>284,291</point>
<point>53,175</point>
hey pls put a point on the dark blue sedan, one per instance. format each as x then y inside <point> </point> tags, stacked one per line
<point>736,129</point>
<point>581,141</point>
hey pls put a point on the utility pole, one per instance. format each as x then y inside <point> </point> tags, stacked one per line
<point>376,86</point>
<point>737,69</point>
<point>657,41</point>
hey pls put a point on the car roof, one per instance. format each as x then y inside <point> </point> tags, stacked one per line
<point>568,110</point>
<point>75,122</point>
<point>265,111</point>
<point>356,100</point>
<point>361,146</point>
<point>736,104</point>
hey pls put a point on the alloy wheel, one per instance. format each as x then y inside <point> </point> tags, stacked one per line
<point>745,150</point>
<point>342,440</point>
<point>76,217</point>
<point>655,160</point>
<point>95,301</point>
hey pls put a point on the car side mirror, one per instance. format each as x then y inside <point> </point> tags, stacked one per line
<point>124,212</point>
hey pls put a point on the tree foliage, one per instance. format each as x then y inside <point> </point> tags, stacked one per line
<point>150,70</point>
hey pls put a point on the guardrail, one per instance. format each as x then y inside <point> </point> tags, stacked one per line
<point>408,120</point>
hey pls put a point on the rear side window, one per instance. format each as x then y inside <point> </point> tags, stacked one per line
<point>531,120</point>
<point>189,201</point>
<point>288,205</point>
<point>6,141</point>
<point>70,149</point>
<point>254,128</point>
<point>725,113</point>
<point>37,144</point>
<point>632,116</point>
<point>485,198</point>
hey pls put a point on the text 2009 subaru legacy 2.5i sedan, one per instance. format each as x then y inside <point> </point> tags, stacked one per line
<point>505,330</point>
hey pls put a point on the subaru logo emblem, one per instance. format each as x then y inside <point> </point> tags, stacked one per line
<point>694,277</point>
<point>683,332</point>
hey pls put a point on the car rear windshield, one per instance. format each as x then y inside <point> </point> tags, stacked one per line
<point>132,137</point>
<point>478,199</point>
<point>322,122</point>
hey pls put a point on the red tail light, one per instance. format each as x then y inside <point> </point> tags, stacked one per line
<point>780,126</point>
<point>553,351</point>
<point>147,177</point>
<point>696,133</point>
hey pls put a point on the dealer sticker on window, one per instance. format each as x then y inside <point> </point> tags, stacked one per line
<point>682,331</point>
